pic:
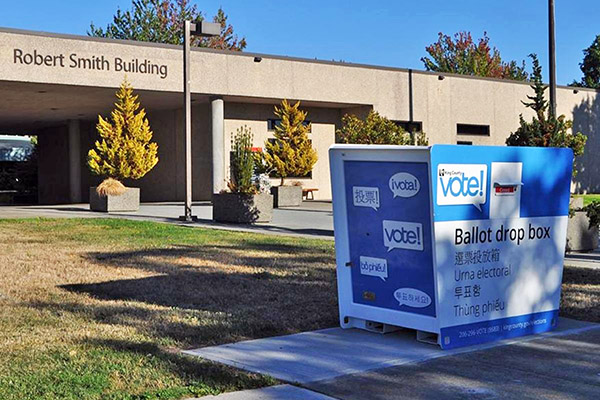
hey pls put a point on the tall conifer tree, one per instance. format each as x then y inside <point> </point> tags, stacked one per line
<point>545,130</point>
<point>125,150</point>
<point>291,153</point>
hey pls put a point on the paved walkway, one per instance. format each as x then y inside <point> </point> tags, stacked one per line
<point>312,218</point>
<point>353,364</point>
<point>583,260</point>
<point>554,368</point>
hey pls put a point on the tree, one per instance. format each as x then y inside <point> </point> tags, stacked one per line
<point>590,66</point>
<point>545,130</point>
<point>291,153</point>
<point>462,55</point>
<point>161,21</point>
<point>125,150</point>
<point>376,129</point>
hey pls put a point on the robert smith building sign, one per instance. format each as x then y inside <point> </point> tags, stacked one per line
<point>97,63</point>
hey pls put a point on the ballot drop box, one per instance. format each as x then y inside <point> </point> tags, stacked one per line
<point>464,244</point>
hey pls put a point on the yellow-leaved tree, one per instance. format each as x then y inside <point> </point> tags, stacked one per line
<point>291,153</point>
<point>124,150</point>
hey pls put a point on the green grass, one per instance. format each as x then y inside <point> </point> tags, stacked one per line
<point>588,198</point>
<point>101,308</point>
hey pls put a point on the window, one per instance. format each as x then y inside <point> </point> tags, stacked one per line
<point>464,142</point>
<point>272,123</point>
<point>410,126</point>
<point>15,149</point>
<point>476,130</point>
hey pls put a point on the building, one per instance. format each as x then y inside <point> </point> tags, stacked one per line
<point>54,86</point>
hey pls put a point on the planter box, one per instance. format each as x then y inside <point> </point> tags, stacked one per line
<point>579,236</point>
<point>128,201</point>
<point>242,208</point>
<point>286,196</point>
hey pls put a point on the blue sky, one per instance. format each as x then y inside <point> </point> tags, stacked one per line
<point>391,33</point>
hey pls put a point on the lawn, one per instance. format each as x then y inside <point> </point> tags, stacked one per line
<point>588,198</point>
<point>100,308</point>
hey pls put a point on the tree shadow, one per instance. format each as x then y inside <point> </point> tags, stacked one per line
<point>205,295</point>
<point>582,276</point>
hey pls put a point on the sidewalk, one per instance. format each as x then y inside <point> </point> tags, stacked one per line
<point>560,367</point>
<point>583,260</point>
<point>311,219</point>
<point>354,364</point>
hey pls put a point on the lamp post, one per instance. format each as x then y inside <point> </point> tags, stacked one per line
<point>190,29</point>
<point>552,55</point>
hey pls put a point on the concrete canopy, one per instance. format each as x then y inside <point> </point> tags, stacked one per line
<point>27,107</point>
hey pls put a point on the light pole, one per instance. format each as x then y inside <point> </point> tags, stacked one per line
<point>205,29</point>
<point>552,55</point>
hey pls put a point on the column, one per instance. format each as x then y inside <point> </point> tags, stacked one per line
<point>74,161</point>
<point>218,145</point>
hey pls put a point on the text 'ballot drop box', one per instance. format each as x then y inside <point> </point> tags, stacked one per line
<point>464,244</point>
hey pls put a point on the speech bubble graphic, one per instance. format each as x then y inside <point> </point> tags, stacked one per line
<point>363,196</point>
<point>374,267</point>
<point>404,184</point>
<point>412,298</point>
<point>402,235</point>
<point>462,184</point>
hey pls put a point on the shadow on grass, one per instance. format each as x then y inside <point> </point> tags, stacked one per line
<point>210,295</point>
<point>295,256</point>
<point>581,294</point>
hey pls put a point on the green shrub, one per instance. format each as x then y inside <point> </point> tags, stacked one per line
<point>242,162</point>
<point>592,211</point>
<point>376,129</point>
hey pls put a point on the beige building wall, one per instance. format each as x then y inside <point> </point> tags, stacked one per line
<point>250,89</point>
<point>442,104</point>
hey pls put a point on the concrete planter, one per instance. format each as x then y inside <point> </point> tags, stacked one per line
<point>128,201</point>
<point>286,196</point>
<point>579,236</point>
<point>242,208</point>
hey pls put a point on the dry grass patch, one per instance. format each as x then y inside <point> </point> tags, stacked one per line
<point>99,309</point>
<point>581,294</point>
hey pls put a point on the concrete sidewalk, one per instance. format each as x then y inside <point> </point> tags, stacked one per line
<point>354,364</point>
<point>311,219</point>
<point>583,260</point>
<point>559,367</point>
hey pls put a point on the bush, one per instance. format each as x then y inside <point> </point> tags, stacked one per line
<point>125,150</point>
<point>592,211</point>
<point>376,129</point>
<point>242,163</point>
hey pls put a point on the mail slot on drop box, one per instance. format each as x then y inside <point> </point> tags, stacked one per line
<point>463,244</point>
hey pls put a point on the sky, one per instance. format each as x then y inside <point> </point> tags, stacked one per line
<point>389,33</point>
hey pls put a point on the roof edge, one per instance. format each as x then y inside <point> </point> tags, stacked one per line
<point>270,56</point>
